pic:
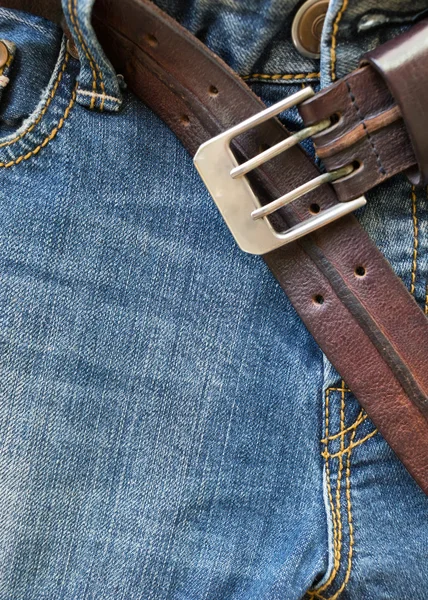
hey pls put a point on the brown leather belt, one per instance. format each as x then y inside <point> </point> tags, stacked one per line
<point>357,309</point>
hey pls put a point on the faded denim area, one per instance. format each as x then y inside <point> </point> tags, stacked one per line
<point>168,428</point>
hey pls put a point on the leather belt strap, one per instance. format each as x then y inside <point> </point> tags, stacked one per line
<point>337,280</point>
<point>404,67</point>
<point>382,111</point>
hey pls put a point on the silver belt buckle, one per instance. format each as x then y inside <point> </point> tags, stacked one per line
<point>234,197</point>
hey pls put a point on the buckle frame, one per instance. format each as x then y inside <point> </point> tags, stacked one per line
<point>231,191</point>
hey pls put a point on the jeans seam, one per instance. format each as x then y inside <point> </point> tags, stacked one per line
<point>281,76</point>
<point>334,40</point>
<point>360,419</point>
<point>48,138</point>
<point>45,107</point>
<point>98,95</point>
<point>336,504</point>
<point>95,69</point>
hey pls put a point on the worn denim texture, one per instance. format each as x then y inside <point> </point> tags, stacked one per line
<point>169,430</point>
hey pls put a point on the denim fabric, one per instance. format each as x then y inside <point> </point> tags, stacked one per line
<point>169,430</point>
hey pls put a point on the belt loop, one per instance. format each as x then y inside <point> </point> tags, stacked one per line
<point>98,83</point>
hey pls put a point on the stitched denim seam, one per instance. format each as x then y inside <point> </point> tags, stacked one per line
<point>98,95</point>
<point>333,55</point>
<point>350,523</point>
<point>357,422</point>
<point>48,138</point>
<point>95,69</point>
<point>336,507</point>
<point>44,108</point>
<point>290,77</point>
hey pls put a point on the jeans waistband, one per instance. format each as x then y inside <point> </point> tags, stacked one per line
<point>254,38</point>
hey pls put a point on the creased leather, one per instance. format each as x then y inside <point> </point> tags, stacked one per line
<point>370,131</point>
<point>403,64</point>
<point>392,82</point>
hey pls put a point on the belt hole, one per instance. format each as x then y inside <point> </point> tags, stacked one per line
<point>335,118</point>
<point>213,91</point>
<point>314,208</point>
<point>184,120</point>
<point>151,40</point>
<point>318,299</point>
<point>356,164</point>
<point>360,271</point>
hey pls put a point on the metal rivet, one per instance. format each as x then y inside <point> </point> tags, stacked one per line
<point>4,54</point>
<point>71,48</point>
<point>307,27</point>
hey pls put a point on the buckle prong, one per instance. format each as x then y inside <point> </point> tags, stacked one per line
<point>307,187</point>
<point>236,200</point>
<point>282,146</point>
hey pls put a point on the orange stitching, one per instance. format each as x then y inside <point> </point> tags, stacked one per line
<point>415,240</point>
<point>333,40</point>
<point>330,495</point>
<point>351,528</point>
<point>93,65</point>
<point>350,524</point>
<point>351,446</point>
<point>99,71</point>
<point>280,76</point>
<point>335,514</point>
<point>79,36</point>
<point>48,138</point>
<point>360,419</point>
<point>337,534</point>
<point>45,108</point>
<point>339,477</point>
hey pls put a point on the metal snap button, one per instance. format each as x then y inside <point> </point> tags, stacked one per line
<point>4,54</point>
<point>307,27</point>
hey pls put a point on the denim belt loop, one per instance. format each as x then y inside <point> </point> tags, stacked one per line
<point>98,83</point>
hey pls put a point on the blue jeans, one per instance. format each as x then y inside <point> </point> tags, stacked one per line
<point>169,430</point>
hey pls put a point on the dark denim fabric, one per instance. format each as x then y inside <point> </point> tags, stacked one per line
<point>169,430</point>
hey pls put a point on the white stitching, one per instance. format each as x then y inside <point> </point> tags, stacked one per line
<point>94,95</point>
